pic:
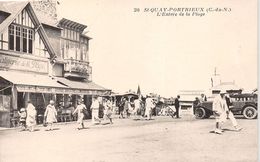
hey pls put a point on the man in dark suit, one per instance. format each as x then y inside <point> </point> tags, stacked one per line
<point>177,106</point>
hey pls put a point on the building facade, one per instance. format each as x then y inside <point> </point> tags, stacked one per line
<point>42,58</point>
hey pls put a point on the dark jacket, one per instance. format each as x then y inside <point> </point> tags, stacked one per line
<point>177,103</point>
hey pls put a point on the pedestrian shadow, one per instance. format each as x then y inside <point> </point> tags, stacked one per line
<point>54,129</point>
<point>84,128</point>
<point>148,119</point>
<point>27,130</point>
<point>213,132</point>
<point>105,124</point>
<point>36,130</point>
<point>23,130</point>
<point>230,130</point>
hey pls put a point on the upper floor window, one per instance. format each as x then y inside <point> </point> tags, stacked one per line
<point>70,34</point>
<point>21,38</point>
<point>4,41</point>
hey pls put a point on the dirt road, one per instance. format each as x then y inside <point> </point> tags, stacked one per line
<point>162,139</point>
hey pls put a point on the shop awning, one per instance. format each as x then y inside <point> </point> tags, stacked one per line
<point>35,83</point>
<point>83,87</point>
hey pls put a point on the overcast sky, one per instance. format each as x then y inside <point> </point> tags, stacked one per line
<point>167,54</point>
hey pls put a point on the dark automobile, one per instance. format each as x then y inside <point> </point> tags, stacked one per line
<point>242,104</point>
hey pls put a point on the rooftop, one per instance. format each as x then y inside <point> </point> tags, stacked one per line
<point>13,8</point>
<point>226,86</point>
<point>71,24</point>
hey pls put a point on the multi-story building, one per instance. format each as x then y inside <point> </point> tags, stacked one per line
<point>42,58</point>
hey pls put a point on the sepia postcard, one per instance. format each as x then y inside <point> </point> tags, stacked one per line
<point>132,81</point>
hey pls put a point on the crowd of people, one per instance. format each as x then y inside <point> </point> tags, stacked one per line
<point>139,108</point>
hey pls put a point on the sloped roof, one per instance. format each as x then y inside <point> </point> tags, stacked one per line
<point>81,84</point>
<point>84,35</point>
<point>71,24</point>
<point>125,94</point>
<point>30,79</point>
<point>14,8</point>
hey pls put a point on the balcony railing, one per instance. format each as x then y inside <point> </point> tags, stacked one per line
<point>77,68</point>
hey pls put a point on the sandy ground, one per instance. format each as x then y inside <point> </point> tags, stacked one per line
<point>163,139</point>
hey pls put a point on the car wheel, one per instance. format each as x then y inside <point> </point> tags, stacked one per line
<point>200,113</point>
<point>250,112</point>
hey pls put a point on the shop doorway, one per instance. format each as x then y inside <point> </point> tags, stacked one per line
<point>5,111</point>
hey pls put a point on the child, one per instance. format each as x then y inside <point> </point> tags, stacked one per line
<point>22,120</point>
<point>108,110</point>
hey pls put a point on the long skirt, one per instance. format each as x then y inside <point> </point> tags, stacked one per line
<point>95,115</point>
<point>148,111</point>
<point>30,121</point>
<point>51,118</point>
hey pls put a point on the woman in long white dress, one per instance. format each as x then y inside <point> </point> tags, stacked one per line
<point>31,116</point>
<point>95,110</point>
<point>149,105</point>
<point>50,115</point>
<point>137,103</point>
